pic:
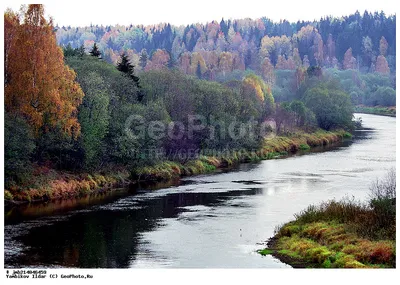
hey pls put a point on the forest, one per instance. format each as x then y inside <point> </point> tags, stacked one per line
<point>365,43</point>
<point>73,96</point>
<point>279,53</point>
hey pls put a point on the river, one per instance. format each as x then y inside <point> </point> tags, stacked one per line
<point>208,221</point>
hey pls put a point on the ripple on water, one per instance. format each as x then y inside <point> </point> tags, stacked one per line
<point>303,174</point>
<point>129,203</point>
<point>13,247</point>
<point>248,182</point>
<point>358,170</point>
<point>376,159</point>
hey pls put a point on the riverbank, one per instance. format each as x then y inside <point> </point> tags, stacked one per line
<point>344,234</point>
<point>50,184</point>
<point>377,110</point>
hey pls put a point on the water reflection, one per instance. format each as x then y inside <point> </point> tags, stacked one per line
<point>109,238</point>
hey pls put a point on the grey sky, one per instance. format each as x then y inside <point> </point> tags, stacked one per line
<point>178,12</point>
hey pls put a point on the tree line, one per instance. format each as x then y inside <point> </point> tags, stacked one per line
<point>364,42</point>
<point>69,109</point>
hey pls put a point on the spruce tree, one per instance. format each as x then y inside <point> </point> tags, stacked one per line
<point>95,51</point>
<point>125,66</point>
<point>198,71</point>
<point>80,52</point>
<point>68,50</point>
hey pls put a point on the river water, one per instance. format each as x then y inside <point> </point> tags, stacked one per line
<point>216,221</point>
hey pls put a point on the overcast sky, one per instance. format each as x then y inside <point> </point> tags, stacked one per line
<point>178,12</point>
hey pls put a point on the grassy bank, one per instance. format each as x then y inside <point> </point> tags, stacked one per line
<point>378,110</point>
<point>272,148</point>
<point>344,234</point>
<point>49,184</point>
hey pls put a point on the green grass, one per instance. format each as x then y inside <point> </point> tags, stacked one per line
<point>265,251</point>
<point>344,234</point>
<point>290,253</point>
<point>50,184</point>
<point>313,245</point>
<point>304,146</point>
<point>377,110</point>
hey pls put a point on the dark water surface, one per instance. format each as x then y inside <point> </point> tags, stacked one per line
<point>203,221</point>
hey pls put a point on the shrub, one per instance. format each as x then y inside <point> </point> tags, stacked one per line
<point>304,147</point>
<point>8,195</point>
<point>84,188</point>
<point>384,188</point>
<point>383,201</point>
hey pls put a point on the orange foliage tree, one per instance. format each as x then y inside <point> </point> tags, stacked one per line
<point>382,65</point>
<point>39,86</point>
<point>159,60</point>
<point>267,71</point>
<point>253,84</point>
<point>349,62</point>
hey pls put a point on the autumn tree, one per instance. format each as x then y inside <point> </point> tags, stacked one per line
<point>11,24</point>
<point>300,76</point>
<point>267,71</point>
<point>296,57</point>
<point>225,62</point>
<point>349,62</point>
<point>185,62</point>
<point>281,63</point>
<point>221,43</point>
<point>197,64</point>
<point>159,60</point>
<point>262,91</point>
<point>383,46</point>
<point>39,86</point>
<point>318,49</point>
<point>381,65</point>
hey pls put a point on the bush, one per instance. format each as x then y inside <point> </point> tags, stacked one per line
<point>8,195</point>
<point>384,188</point>
<point>332,107</point>
<point>375,219</point>
<point>383,200</point>
<point>304,147</point>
